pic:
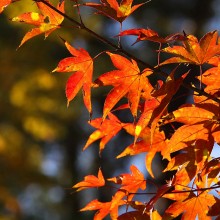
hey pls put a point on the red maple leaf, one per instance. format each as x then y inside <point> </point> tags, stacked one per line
<point>82,64</point>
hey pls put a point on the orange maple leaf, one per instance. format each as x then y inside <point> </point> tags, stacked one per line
<point>192,161</point>
<point>112,9</point>
<point>211,171</point>
<point>193,206</point>
<point>145,145</point>
<point>145,117</point>
<point>45,23</point>
<point>127,81</point>
<point>164,95</point>
<point>104,208</point>
<point>194,51</point>
<point>4,4</point>
<point>131,182</point>
<point>156,107</point>
<point>91,181</point>
<point>211,77</point>
<point>203,125</point>
<point>82,64</point>
<point>106,130</point>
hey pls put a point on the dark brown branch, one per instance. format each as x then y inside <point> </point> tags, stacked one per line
<point>179,191</point>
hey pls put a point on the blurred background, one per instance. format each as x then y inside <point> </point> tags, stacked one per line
<point>41,140</point>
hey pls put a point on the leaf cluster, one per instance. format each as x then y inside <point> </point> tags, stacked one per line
<point>187,148</point>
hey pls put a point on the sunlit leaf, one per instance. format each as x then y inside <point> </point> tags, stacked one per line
<point>127,81</point>
<point>82,64</point>
<point>106,130</point>
<point>194,51</point>
<point>45,23</point>
<point>192,207</point>
<point>91,181</point>
<point>131,182</point>
<point>104,208</point>
<point>112,9</point>
<point>3,4</point>
<point>151,35</point>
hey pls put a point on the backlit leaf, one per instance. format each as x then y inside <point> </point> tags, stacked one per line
<point>3,4</point>
<point>104,208</point>
<point>131,182</point>
<point>91,181</point>
<point>82,64</point>
<point>145,145</point>
<point>151,35</point>
<point>194,51</point>
<point>127,81</point>
<point>112,9</point>
<point>106,130</point>
<point>192,207</point>
<point>45,23</point>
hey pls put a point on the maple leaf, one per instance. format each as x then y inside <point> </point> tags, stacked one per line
<point>151,35</point>
<point>82,64</point>
<point>4,4</point>
<point>45,23</point>
<point>184,136</point>
<point>214,210</point>
<point>211,171</point>
<point>145,145</point>
<point>145,117</point>
<point>106,130</point>
<point>91,181</point>
<point>194,51</point>
<point>155,108</point>
<point>104,208</point>
<point>127,81</point>
<point>193,206</point>
<point>186,115</point>
<point>192,161</point>
<point>203,125</point>
<point>112,9</point>
<point>131,182</point>
<point>143,34</point>
<point>210,77</point>
<point>162,190</point>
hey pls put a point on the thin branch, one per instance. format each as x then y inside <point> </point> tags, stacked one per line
<point>180,191</point>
